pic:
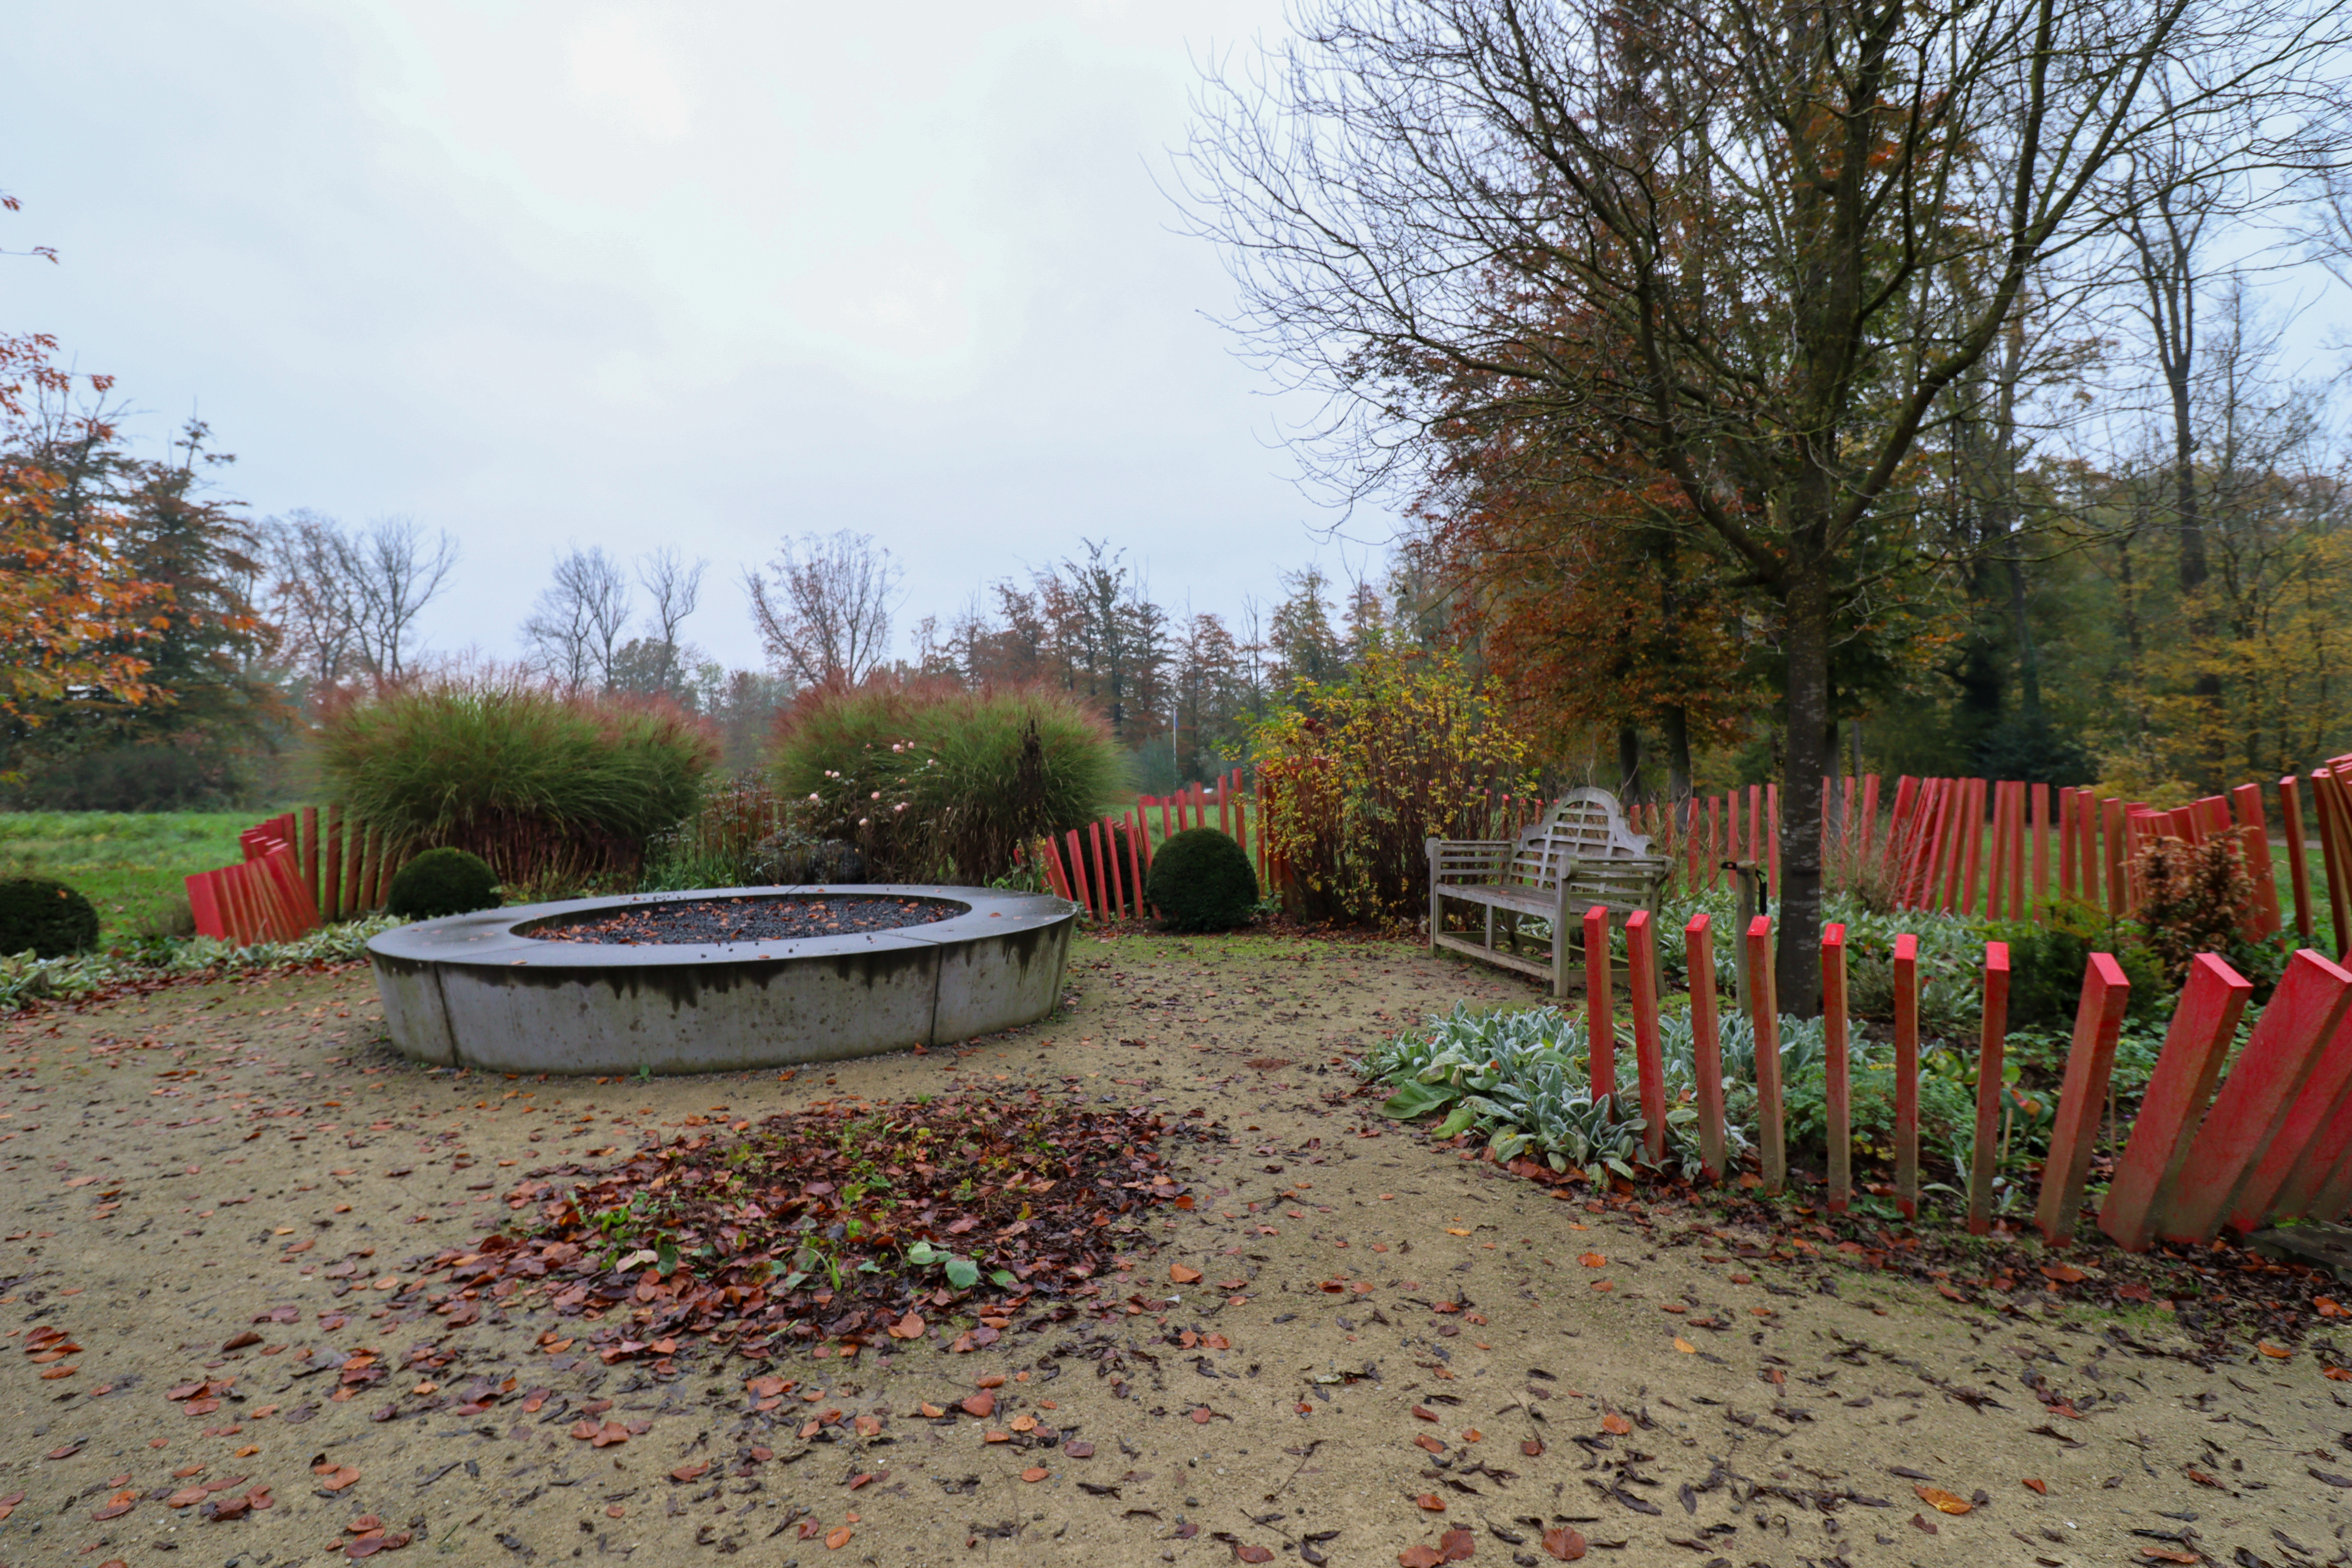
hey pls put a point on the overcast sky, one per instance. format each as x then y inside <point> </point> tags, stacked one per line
<point>698,274</point>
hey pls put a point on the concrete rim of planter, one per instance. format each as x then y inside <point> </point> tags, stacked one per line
<point>475,990</point>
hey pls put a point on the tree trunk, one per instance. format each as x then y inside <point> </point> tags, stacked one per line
<point>1676,723</point>
<point>1629,763</point>
<point>1797,965</point>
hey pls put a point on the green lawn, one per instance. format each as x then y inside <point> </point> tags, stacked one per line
<point>130,865</point>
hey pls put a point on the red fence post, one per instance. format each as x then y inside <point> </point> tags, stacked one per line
<point>2066,837</point>
<point>1899,828</point>
<point>1078,872</point>
<point>1997,883</point>
<point>2111,827</point>
<point>203,905</point>
<point>1764,1018</point>
<point>1992,1038</point>
<point>1906,1075</point>
<point>2311,1138</point>
<point>1706,1042</point>
<point>2017,896</point>
<point>1649,1061</point>
<point>2329,802</point>
<point>2147,1177</point>
<point>1972,813</point>
<point>2082,1097</point>
<point>331,895</point>
<point>2254,836</point>
<point>2041,844</point>
<point>1599,1006</point>
<point>1838,1083</point>
<point>2254,1102</point>
<point>1869,813</point>
<point>1772,829</point>
<point>2298,861</point>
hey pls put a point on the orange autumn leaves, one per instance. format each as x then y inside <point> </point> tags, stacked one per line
<point>1458,1544</point>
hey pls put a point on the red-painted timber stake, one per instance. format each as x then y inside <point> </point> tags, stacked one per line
<point>2066,842</point>
<point>2111,830</point>
<point>203,905</point>
<point>331,896</point>
<point>1599,1006</point>
<point>1972,825</point>
<point>2017,896</point>
<point>1996,882</point>
<point>1869,811</point>
<point>1898,829</point>
<point>2147,1177</point>
<point>2254,1100</point>
<point>1134,824</point>
<point>1992,1038</point>
<point>1838,1083</point>
<point>311,853</point>
<point>1714,850</point>
<point>1078,872</point>
<point>1105,888</point>
<point>1051,864</point>
<point>2328,809</point>
<point>1649,1060</point>
<point>1706,1042</point>
<point>2318,1131</point>
<point>1906,1075</point>
<point>1117,876</point>
<point>1764,1018</point>
<point>2082,1097</point>
<point>2041,844</point>
<point>2298,862</point>
<point>1772,827</point>
<point>2254,839</point>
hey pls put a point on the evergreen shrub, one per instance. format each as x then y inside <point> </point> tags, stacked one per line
<point>1202,880</point>
<point>443,882</point>
<point>43,918</point>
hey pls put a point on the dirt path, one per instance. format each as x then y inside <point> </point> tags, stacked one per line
<point>198,1168</point>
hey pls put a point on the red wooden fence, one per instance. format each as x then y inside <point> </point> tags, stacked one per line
<point>294,875</point>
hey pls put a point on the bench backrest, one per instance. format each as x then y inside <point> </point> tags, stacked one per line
<point>1584,826</point>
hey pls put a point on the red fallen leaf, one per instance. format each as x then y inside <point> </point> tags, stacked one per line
<point>115,1507</point>
<point>240,1341</point>
<point>910,1327</point>
<point>343,1476</point>
<point>1921,1521</point>
<point>2200,1476</point>
<point>1253,1554</point>
<point>685,1473</point>
<point>1593,1260</point>
<point>981,1405</point>
<point>2134,1291</point>
<point>836,1538</point>
<point>1181,1275</point>
<point>1947,1292</point>
<point>584,1430</point>
<point>2041,1489</point>
<point>1418,1557</point>
<point>1615,1424</point>
<point>70,1450</point>
<point>1533,1448</point>
<point>1941,1501</point>
<point>2166,1554</point>
<point>1201,1416</point>
<point>2338,1373</point>
<point>1035,1473</point>
<point>1078,1450</point>
<point>611,1432</point>
<point>1456,1545</point>
<point>1564,1544</point>
<point>1430,1503</point>
<point>1430,1443</point>
<point>1423,1414</point>
<point>2063,1273</point>
<point>187,1497</point>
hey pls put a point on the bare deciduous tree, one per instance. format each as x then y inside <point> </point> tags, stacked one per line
<point>576,624</point>
<point>823,607</point>
<point>1755,241</point>
<point>347,600</point>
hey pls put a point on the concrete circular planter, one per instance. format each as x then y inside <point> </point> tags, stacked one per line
<point>478,990</point>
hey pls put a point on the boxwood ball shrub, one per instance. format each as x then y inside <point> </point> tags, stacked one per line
<point>47,919</point>
<point>1202,880</point>
<point>443,882</point>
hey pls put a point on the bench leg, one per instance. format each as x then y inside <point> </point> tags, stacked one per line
<point>1559,941</point>
<point>1436,899</point>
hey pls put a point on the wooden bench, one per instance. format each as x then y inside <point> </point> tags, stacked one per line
<point>1581,854</point>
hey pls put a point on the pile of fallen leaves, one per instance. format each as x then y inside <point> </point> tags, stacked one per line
<point>846,1222</point>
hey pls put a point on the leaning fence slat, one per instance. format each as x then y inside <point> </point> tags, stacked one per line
<point>2254,835</point>
<point>1706,1042</point>
<point>1599,1006</point>
<point>1996,882</point>
<point>330,889</point>
<point>1899,832</point>
<point>2298,861</point>
<point>1837,1079</point>
<point>1992,1037</point>
<point>1972,814</point>
<point>2306,1172</point>
<point>1764,1019</point>
<point>2253,1102</point>
<point>2082,1097</point>
<point>1649,1060</point>
<point>2041,846</point>
<point>1906,1075</point>
<point>1077,864</point>
<point>203,905</point>
<point>2147,1177</point>
<point>2066,842</point>
<point>2111,832</point>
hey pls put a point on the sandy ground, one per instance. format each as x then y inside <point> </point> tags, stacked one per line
<point>224,1197</point>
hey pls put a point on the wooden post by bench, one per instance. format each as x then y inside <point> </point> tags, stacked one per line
<point>1599,1006</point>
<point>1837,1081</point>
<point>1706,1043</point>
<point>1992,1038</point>
<point>1906,1075</point>
<point>1764,1018</point>
<point>1649,1061</point>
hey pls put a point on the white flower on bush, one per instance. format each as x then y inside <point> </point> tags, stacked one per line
<point>900,806</point>
<point>813,795</point>
<point>862,821</point>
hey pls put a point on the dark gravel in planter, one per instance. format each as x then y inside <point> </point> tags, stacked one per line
<point>747,919</point>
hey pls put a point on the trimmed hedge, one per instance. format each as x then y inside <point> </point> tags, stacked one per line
<point>1202,880</point>
<point>43,918</point>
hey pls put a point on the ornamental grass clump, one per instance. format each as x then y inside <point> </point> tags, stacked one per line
<point>933,783</point>
<point>553,791</point>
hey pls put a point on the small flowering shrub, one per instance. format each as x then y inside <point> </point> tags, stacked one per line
<point>935,784</point>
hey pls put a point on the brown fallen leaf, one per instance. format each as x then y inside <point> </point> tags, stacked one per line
<point>1253,1554</point>
<point>1423,1413</point>
<point>1615,1424</point>
<point>1533,1448</point>
<point>1181,1275</point>
<point>1417,1557</point>
<point>2063,1273</point>
<point>2166,1554</point>
<point>2276,1353</point>
<point>1943,1502</point>
<point>1929,1525</point>
<point>1434,1445</point>
<point>1685,1346</point>
<point>684,1473</point>
<point>1593,1260</point>
<point>2041,1489</point>
<point>910,1327</point>
<point>1563,1543</point>
<point>1456,1545</point>
<point>1078,1450</point>
<point>838,1537</point>
<point>1035,1474</point>
<point>979,1406</point>
<point>1430,1503</point>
